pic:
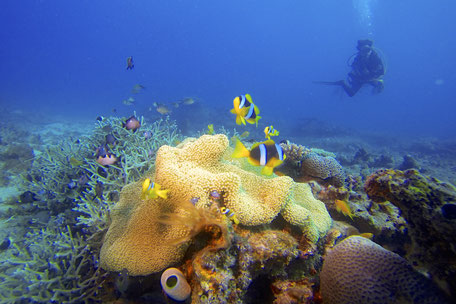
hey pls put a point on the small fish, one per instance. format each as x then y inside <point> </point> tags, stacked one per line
<point>267,154</point>
<point>5,244</point>
<point>215,195</point>
<point>229,214</point>
<point>99,189</point>
<point>147,134</point>
<point>244,135</point>
<point>343,207</point>
<point>74,162</point>
<point>162,109</point>
<point>110,139</point>
<point>152,190</point>
<point>82,180</point>
<point>130,64</point>
<point>367,235</point>
<point>270,131</point>
<point>101,151</point>
<point>137,88</point>
<point>194,200</point>
<point>188,101</point>
<point>245,110</point>
<point>132,123</point>
<point>72,185</point>
<point>100,118</point>
<point>107,159</point>
<point>210,129</point>
<point>128,102</point>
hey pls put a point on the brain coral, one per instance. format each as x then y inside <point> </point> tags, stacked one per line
<point>323,169</point>
<point>358,270</point>
<point>193,170</point>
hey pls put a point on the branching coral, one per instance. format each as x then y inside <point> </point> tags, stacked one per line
<point>50,265</point>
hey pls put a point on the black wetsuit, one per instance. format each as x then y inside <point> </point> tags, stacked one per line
<point>366,69</point>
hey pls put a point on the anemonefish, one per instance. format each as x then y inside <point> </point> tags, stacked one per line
<point>229,214</point>
<point>245,110</point>
<point>130,64</point>
<point>152,190</point>
<point>267,154</point>
<point>270,131</point>
<point>343,207</point>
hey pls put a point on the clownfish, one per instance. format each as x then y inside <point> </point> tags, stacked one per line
<point>229,214</point>
<point>270,131</point>
<point>245,110</point>
<point>267,154</point>
<point>130,64</point>
<point>152,190</point>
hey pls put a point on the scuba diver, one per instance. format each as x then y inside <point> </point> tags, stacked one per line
<point>367,68</point>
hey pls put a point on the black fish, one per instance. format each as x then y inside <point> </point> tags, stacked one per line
<point>130,64</point>
<point>99,190</point>
<point>110,139</point>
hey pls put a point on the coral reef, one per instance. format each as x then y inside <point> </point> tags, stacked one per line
<point>137,240</point>
<point>56,224</point>
<point>175,284</point>
<point>305,165</point>
<point>325,170</point>
<point>423,202</point>
<point>263,258</point>
<point>50,266</point>
<point>359,271</point>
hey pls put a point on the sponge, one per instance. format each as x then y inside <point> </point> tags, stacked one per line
<point>175,285</point>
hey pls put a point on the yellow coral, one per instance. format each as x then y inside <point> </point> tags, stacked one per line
<point>304,210</point>
<point>134,240</point>
<point>194,169</point>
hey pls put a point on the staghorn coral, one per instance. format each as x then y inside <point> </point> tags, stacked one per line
<point>358,271</point>
<point>423,202</point>
<point>135,239</point>
<point>50,266</point>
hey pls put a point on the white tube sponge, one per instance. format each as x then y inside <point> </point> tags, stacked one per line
<point>175,284</point>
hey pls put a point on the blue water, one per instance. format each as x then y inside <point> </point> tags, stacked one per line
<point>68,58</point>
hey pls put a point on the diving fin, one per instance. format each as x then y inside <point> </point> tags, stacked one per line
<point>339,82</point>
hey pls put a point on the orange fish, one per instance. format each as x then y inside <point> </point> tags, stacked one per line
<point>367,235</point>
<point>343,207</point>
